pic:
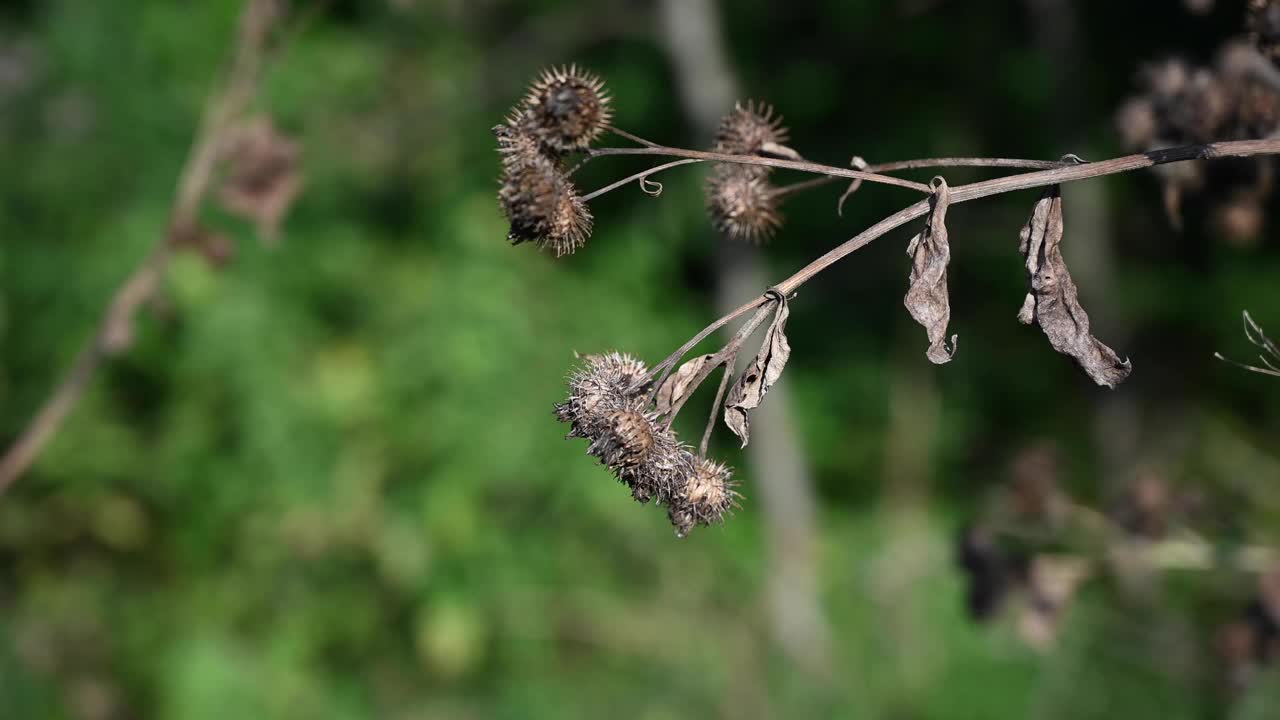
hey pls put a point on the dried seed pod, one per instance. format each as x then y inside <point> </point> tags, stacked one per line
<point>705,499</point>
<point>742,203</point>
<point>626,441</point>
<point>566,109</point>
<point>537,198</point>
<point>1264,27</point>
<point>599,389</point>
<point>644,455</point>
<point>752,129</point>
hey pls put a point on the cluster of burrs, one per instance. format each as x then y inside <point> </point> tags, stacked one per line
<point>609,404</point>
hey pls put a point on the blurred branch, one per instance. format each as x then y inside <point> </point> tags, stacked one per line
<point>1270,355</point>
<point>115,331</point>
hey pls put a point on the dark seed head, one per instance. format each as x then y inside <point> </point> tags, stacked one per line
<point>1264,27</point>
<point>539,201</point>
<point>750,129</point>
<point>566,109</point>
<point>707,496</point>
<point>597,390</point>
<point>742,203</point>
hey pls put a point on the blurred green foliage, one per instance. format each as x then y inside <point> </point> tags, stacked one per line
<point>325,482</point>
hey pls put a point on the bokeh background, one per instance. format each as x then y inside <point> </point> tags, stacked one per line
<point>324,481</point>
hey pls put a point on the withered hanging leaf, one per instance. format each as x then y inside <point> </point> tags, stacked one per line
<point>1052,300</point>
<point>927,298</point>
<point>677,386</point>
<point>750,388</point>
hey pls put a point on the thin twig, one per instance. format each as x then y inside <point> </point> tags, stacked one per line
<point>641,176</point>
<point>633,138</point>
<point>965,162</point>
<point>801,186</point>
<point>730,350</point>
<point>798,165</point>
<point>115,329</point>
<point>729,364</point>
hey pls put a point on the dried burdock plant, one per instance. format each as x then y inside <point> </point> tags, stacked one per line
<point>1270,355</point>
<point>626,410</point>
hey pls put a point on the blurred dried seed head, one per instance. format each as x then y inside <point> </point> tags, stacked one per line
<point>1237,99</point>
<point>742,203</point>
<point>1264,27</point>
<point>707,496</point>
<point>1240,219</point>
<point>264,178</point>
<point>565,110</point>
<point>599,389</point>
<point>537,198</point>
<point>752,129</point>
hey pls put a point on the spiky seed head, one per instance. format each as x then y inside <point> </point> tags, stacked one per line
<point>742,203</point>
<point>566,109</point>
<point>1264,27</point>
<point>627,440</point>
<point>748,129</point>
<point>537,197</point>
<point>598,389</point>
<point>707,496</point>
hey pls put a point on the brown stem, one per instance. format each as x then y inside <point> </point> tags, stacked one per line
<point>641,176</point>
<point>1060,173</point>
<point>729,365</point>
<point>800,187</point>
<point>1026,181</point>
<point>965,162</point>
<point>800,166</point>
<point>723,356</point>
<point>114,331</point>
<point>633,138</point>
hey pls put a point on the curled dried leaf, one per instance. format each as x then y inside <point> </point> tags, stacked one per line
<point>927,299</point>
<point>1052,300</point>
<point>750,388</point>
<point>857,163</point>
<point>680,385</point>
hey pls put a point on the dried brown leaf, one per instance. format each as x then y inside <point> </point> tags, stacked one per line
<point>750,388</point>
<point>927,297</point>
<point>676,387</point>
<point>1052,300</point>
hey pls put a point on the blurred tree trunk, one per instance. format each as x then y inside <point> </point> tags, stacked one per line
<point>708,88</point>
